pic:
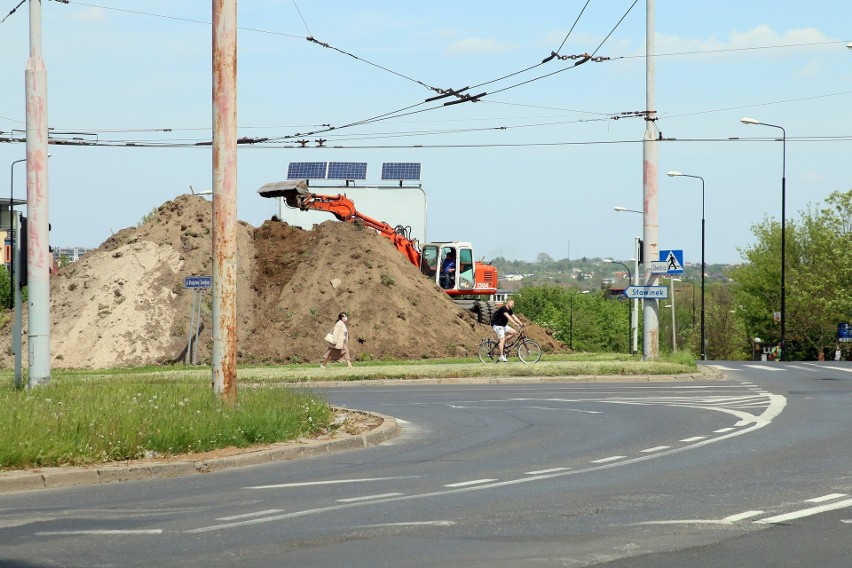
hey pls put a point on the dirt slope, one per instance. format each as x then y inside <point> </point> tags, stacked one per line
<point>125,304</point>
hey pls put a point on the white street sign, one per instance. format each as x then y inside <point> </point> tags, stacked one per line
<point>647,292</point>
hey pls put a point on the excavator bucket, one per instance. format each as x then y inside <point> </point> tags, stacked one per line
<point>290,190</point>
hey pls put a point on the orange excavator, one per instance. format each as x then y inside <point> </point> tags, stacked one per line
<point>450,265</point>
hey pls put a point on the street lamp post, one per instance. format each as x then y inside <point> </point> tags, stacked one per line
<point>629,312</point>
<point>783,355</point>
<point>703,269</point>
<point>571,325</point>
<point>638,253</point>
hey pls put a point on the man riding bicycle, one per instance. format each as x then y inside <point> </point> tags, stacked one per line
<point>500,323</point>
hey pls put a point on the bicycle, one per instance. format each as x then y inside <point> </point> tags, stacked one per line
<point>528,350</point>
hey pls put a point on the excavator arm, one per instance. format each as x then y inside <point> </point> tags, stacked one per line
<point>297,195</point>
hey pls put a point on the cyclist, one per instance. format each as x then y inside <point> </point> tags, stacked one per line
<point>500,323</point>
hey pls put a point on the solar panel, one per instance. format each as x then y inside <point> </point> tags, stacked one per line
<point>401,170</point>
<point>306,170</point>
<point>347,170</point>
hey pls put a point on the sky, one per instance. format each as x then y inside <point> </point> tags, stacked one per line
<point>535,166</point>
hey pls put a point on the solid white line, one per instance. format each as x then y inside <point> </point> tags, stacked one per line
<point>829,497</point>
<point>806,512</point>
<point>723,430</point>
<point>330,482</point>
<point>741,516</point>
<point>249,515</point>
<point>551,470</point>
<point>724,368</point>
<point>654,449</point>
<point>764,367</point>
<point>100,532</point>
<point>466,483</point>
<point>844,369</point>
<point>368,497</point>
<point>693,439</point>
<point>609,459</point>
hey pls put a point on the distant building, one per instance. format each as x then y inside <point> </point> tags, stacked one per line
<point>70,254</point>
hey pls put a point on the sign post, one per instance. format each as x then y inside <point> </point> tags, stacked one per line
<point>197,284</point>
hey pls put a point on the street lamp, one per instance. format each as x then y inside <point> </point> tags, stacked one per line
<point>571,327</point>
<point>782,356</point>
<point>703,269</point>
<point>629,312</point>
<point>620,209</point>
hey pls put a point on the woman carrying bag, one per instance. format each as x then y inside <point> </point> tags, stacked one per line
<point>338,342</point>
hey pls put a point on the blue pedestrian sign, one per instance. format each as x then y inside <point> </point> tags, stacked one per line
<point>673,260</point>
<point>844,332</point>
<point>197,281</point>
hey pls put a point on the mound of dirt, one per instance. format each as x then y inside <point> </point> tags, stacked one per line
<point>125,304</point>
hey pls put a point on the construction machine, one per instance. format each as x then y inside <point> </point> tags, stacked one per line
<point>449,264</point>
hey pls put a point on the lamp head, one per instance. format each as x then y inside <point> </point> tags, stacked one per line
<point>748,120</point>
<point>620,208</point>
<point>607,260</point>
<point>674,174</point>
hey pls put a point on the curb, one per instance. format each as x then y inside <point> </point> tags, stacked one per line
<point>53,477</point>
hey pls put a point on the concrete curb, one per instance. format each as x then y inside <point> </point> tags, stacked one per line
<point>52,477</point>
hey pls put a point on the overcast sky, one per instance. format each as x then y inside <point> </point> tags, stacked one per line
<point>536,166</point>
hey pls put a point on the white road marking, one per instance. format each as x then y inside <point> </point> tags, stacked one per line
<point>106,532</point>
<point>411,524</point>
<point>829,497</point>
<point>468,483</point>
<point>551,470</point>
<point>329,482</point>
<point>723,430</point>
<point>249,515</point>
<point>369,497</point>
<point>846,520</point>
<point>693,439</point>
<point>741,516</point>
<point>654,449</point>
<point>609,459</point>
<point>764,367</point>
<point>806,512</point>
<point>724,368</point>
<point>844,369</point>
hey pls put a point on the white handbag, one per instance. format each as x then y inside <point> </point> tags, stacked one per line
<point>329,338</point>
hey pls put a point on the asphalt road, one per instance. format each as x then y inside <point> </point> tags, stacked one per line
<point>753,471</point>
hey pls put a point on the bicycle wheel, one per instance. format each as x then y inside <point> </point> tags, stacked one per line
<point>529,351</point>
<point>487,351</point>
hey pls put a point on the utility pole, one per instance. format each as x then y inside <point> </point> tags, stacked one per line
<point>650,217</point>
<point>39,258</point>
<point>224,371</point>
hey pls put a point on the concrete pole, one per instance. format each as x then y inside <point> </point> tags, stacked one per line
<point>650,228</point>
<point>39,258</point>
<point>224,362</point>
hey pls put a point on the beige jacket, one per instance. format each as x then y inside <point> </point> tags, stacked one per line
<point>340,335</point>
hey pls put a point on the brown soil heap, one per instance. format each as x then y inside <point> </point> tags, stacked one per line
<point>124,303</point>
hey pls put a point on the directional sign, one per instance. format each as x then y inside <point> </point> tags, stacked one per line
<point>647,292</point>
<point>673,260</point>
<point>658,267</point>
<point>197,281</point>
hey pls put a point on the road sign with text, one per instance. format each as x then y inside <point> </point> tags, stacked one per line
<point>647,292</point>
<point>197,281</point>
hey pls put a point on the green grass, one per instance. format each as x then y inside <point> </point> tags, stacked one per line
<point>94,416</point>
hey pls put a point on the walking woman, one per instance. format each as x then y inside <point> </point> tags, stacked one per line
<point>338,347</point>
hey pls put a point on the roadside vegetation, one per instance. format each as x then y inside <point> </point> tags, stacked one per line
<point>96,416</point>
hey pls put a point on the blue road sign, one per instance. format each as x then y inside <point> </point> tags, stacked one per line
<point>197,281</point>
<point>647,292</point>
<point>844,332</point>
<point>673,260</point>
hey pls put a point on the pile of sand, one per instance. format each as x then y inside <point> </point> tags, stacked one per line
<point>125,303</point>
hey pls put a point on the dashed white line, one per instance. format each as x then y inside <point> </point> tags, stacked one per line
<point>368,497</point>
<point>693,439</point>
<point>329,482</point>
<point>411,524</point>
<point>250,515</point>
<point>764,367</point>
<point>106,532</point>
<point>723,430</point>
<point>467,483</point>
<point>609,459</point>
<point>654,449</point>
<point>806,512</point>
<point>551,470</point>
<point>829,497</point>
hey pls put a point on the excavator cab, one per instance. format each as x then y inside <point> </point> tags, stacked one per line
<point>450,265</point>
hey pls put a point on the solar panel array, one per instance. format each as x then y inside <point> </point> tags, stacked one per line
<point>347,170</point>
<point>307,170</point>
<point>401,170</point>
<point>351,170</point>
